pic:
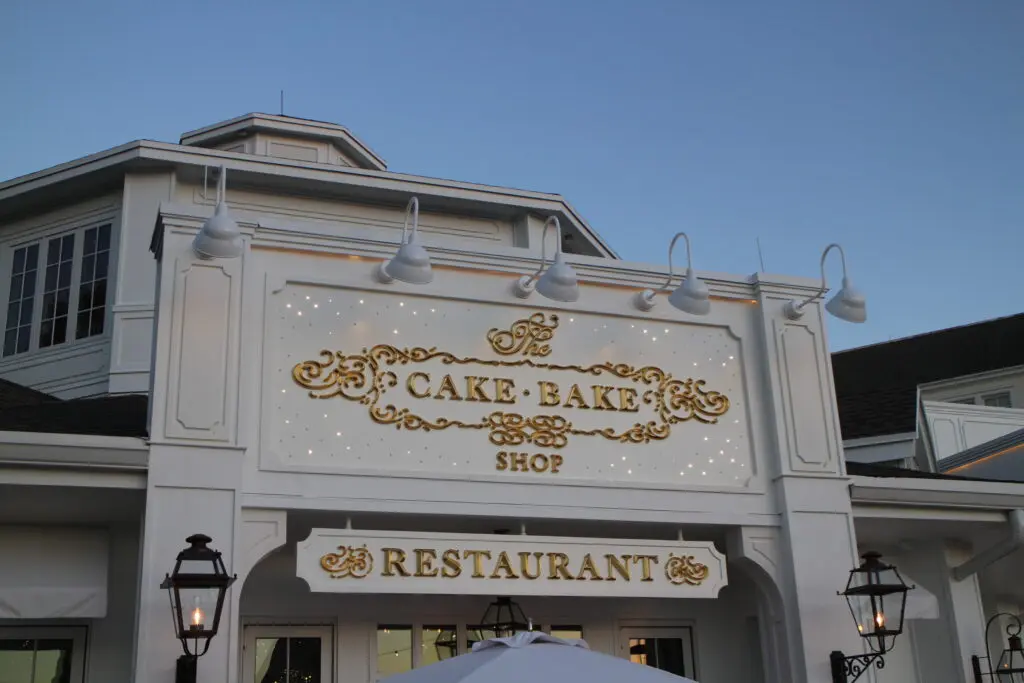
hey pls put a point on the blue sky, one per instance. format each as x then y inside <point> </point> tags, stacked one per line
<point>895,127</point>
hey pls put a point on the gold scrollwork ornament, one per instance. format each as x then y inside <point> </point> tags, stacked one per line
<point>684,569</point>
<point>526,336</point>
<point>349,562</point>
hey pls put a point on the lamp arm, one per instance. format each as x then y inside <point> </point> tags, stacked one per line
<point>552,220</point>
<point>824,284</point>
<point>413,208</point>
<point>689,259</point>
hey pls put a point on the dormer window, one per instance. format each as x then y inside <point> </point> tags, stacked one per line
<point>57,289</point>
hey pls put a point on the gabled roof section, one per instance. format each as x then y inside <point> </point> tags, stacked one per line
<point>288,126</point>
<point>876,386</point>
<point>1001,458</point>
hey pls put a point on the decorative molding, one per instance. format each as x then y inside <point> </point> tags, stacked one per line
<point>263,531</point>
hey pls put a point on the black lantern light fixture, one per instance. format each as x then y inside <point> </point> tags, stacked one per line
<point>1009,668</point>
<point>503,618</point>
<point>196,588</point>
<point>877,597</point>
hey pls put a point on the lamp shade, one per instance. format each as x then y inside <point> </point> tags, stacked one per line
<point>691,296</point>
<point>411,264</point>
<point>558,282</point>
<point>219,237</point>
<point>848,304</point>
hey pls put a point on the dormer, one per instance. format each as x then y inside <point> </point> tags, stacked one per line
<point>287,137</point>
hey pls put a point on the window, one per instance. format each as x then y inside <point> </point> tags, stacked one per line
<point>1000,400</point>
<point>394,650</point>
<point>41,655</point>
<point>69,285</point>
<point>21,300</point>
<point>997,399</point>
<point>287,654</point>
<point>668,649</point>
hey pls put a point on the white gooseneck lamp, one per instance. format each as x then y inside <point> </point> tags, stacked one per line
<point>412,263</point>
<point>558,283</point>
<point>848,303</point>
<point>691,296</point>
<point>219,237</point>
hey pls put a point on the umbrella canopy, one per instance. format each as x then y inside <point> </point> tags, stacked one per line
<point>538,658</point>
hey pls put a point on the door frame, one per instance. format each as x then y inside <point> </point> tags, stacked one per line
<point>78,635</point>
<point>675,629</point>
<point>250,632</point>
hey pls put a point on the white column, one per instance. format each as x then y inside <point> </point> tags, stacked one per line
<point>175,509</point>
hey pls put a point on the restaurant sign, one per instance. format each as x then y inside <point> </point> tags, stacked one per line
<point>349,561</point>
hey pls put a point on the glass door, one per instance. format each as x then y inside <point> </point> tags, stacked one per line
<point>41,654</point>
<point>287,654</point>
<point>666,648</point>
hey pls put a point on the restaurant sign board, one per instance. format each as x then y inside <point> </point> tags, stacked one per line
<point>350,561</point>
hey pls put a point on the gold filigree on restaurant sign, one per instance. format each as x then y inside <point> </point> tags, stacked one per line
<point>367,376</point>
<point>682,569</point>
<point>348,562</point>
<point>526,336</point>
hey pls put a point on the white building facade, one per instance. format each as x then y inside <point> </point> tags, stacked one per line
<point>378,461</point>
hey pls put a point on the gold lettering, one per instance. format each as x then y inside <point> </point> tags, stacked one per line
<point>524,565</point>
<point>601,401</point>
<point>575,394</point>
<point>503,390</point>
<point>519,462</point>
<point>478,563</point>
<point>645,564</point>
<point>424,562</point>
<point>615,566</point>
<point>556,462</point>
<point>475,390</point>
<point>393,559</point>
<point>452,566</point>
<point>627,400</point>
<point>539,463</point>
<point>409,384</point>
<point>502,461</point>
<point>504,565</point>
<point>548,393</point>
<point>589,566</point>
<point>558,567</point>
<point>448,385</point>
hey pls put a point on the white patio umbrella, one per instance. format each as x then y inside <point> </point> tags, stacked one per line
<point>536,657</point>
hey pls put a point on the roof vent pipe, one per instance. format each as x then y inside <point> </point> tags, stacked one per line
<point>996,552</point>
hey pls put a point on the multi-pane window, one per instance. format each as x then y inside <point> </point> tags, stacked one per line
<point>21,300</point>
<point>92,290</point>
<point>1000,400</point>
<point>60,256</point>
<point>58,288</point>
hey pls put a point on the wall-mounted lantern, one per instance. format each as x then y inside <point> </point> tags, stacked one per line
<point>196,588</point>
<point>1009,668</point>
<point>877,597</point>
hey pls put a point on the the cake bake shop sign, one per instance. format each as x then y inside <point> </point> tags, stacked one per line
<point>523,398</point>
<point>348,561</point>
